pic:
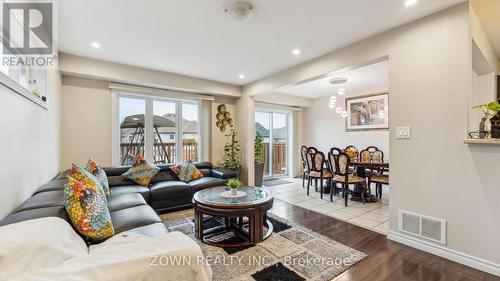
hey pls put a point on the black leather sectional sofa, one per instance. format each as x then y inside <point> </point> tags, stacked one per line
<point>132,207</point>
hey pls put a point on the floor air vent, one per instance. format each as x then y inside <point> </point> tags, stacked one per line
<point>422,226</point>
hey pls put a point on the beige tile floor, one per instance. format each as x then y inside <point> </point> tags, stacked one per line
<point>373,216</point>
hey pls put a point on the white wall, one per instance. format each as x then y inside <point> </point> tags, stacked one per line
<point>284,99</point>
<point>86,122</point>
<point>434,173</point>
<point>324,129</point>
<point>481,39</point>
<point>30,143</point>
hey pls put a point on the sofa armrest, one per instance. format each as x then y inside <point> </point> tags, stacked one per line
<point>222,173</point>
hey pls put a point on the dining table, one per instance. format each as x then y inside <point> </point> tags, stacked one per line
<point>361,167</point>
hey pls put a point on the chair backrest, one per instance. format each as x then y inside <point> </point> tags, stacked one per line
<point>334,151</point>
<point>372,154</point>
<point>341,161</point>
<point>352,151</point>
<point>315,160</point>
<point>303,155</point>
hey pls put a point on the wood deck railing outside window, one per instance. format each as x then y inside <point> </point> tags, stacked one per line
<point>162,153</point>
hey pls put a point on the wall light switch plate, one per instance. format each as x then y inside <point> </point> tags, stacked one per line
<point>403,132</point>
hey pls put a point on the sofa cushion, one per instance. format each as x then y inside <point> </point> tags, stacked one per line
<point>169,189</point>
<point>186,171</point>
<point>57,184</point>
<point>115,171</point>
<point>205,182</point>
<point>153,230</point>
<point>172,203</point>
<point>141,172</point>
<point>58,211</point>
<point>87,208</point>
<point>99,173</point>
<point>123,201</point>
<point>134,217</point>
<point>165,174</point>
<point>126,189</point>
<point>119,181</point>
<point>83,176</point>
<point>222,173</point>
<point>204,165</point>
<point>43,200</point>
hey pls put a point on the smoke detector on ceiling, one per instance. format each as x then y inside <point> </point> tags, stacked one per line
<point>338,80</point>
<point>239,10</point>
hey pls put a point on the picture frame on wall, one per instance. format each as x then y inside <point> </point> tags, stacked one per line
<point>369,112</point>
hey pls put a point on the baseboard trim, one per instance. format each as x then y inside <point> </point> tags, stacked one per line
<point>468,260</point>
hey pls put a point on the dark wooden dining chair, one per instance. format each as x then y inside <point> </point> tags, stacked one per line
<point>340,163</point>
<point>332,166</point>
<point>353,149</point>
<point>378,176</point>
<point>303,156</point>
<point>371,154</point>
<point>315,161</point>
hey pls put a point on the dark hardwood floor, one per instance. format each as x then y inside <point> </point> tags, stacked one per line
<point>387,260</point>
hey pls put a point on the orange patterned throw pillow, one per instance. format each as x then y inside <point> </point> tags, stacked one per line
<point>99,173</point>
<point>186,171</point>
<point>141,172</point>
<point>86,204</point>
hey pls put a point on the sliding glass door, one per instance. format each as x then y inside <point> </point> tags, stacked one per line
<point>273,128</point>
<point>171,125</point>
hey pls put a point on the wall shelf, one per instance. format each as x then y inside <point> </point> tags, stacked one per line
<point>488,141</point>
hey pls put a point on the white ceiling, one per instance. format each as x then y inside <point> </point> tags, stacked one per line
<point>488,12</point>
<point>196,38</point>
<point>363,80</point>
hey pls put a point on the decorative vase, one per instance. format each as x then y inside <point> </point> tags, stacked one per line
<point>234,191</point>
<point>495,126</point>
<point>259,174</point>
<point>482,128</point>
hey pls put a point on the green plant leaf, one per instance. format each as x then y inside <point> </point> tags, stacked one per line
<point>479,106</point>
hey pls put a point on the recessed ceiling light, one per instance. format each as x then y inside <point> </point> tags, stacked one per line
<point>296,51</point>
<point>241,76</point>
<point>95,45</point>
<point>409,3</point>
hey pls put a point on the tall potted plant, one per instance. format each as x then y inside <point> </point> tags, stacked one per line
<point>259,160</point>
<point>489,110</point>
<point>232,152</point>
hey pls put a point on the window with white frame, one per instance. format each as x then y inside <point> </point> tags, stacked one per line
<point>162,130</point>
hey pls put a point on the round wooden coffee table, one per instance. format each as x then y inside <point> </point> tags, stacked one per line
<point>245,216</point>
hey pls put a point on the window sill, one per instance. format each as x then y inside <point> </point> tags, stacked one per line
<point>487,141</point>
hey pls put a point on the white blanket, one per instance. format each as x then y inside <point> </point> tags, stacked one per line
<point>40,243</point>
<point>128,256</point>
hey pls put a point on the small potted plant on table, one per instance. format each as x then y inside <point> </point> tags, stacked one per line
<point>233,185</point>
